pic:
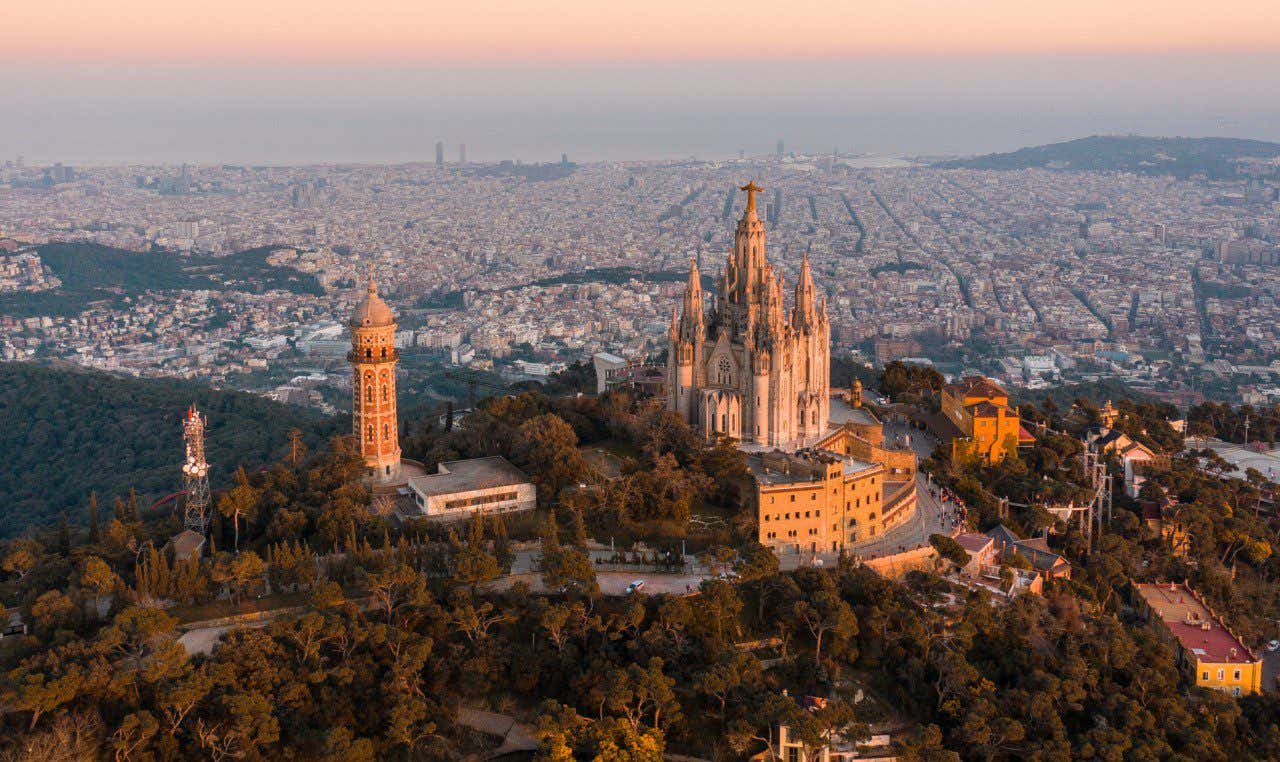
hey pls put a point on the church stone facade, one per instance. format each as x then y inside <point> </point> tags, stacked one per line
<point>746,367</point>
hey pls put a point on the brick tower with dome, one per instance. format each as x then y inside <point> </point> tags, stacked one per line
<point>373,358</point>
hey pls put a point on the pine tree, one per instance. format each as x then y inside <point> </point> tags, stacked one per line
<point>133,505</point>
<point>121,513</point>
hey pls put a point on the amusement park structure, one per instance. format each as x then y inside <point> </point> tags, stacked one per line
<point>195,474</point>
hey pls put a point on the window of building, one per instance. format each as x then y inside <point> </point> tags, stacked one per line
<point>1237,674</point>
<point>806,514</point>
<point>368,393</point>
<point>724,372</point>
<point>793,498</point>
<point>1222,673</point>
<point>468,502</point>
<point>1205,676</point>
<point>386,431</point>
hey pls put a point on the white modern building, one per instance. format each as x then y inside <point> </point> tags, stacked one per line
<point>464,487</point>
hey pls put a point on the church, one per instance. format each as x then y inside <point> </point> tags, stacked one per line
<point>745,367</point>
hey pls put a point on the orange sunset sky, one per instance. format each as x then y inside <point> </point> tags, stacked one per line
<point>409,30</point>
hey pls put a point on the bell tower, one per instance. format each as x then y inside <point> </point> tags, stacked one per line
<point>373,359</point>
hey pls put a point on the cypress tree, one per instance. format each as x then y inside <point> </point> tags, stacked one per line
<point>94,535</point>
<point>64,534</point>
<point>133,504</point>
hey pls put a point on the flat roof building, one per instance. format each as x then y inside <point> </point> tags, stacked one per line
<point>463,487</point>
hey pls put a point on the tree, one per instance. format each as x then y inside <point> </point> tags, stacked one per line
<point>826,612</point>
<point>548,448</point>
<point>97,576</point>
<point>51,610</point>
<point>240,500</point>
<point>569,568</point>
<point>94,531</point>
<point>949,549</point>
<point>21,560</point>
<point>397,587</point>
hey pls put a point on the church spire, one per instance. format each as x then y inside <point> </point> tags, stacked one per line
<point>805,304</point>
<point>691,323</point>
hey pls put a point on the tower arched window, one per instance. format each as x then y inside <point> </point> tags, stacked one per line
<point>386,431</point>
<point>385,394</point>
<point>368,354</point>
<point>384,353</point>
<point>368,393</point>
<point>368,433</point>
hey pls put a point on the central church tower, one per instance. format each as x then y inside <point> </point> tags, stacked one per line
<point>373,358</point>
<point>748,368</point>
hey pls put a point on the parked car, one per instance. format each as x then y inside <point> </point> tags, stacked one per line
<point>635,586</point>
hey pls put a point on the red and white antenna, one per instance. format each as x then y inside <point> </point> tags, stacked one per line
<point>195,474</point>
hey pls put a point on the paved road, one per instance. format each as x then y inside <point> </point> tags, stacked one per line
<point>615,583</point>
<point>515,735</point>
<point>202,639</point>
<point>1270,669</point>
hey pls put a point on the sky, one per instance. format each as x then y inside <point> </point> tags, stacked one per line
<point>286,81</point>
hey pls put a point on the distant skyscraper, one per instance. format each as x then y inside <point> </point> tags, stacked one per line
<point>439,153</point>
<point>564,158</point>
<point>1160,233</point>
<point>462,153</point>
<point>780,147</point>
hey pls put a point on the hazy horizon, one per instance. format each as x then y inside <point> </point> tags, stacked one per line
<point>294,83</point>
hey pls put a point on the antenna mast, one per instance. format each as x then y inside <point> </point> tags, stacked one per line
<point>195,474</point>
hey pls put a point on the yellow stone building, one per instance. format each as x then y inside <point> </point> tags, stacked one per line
<point>990,430</point>
<point>1209,653</point>
<point>826,498</point>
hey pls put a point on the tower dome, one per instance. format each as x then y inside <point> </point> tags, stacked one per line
<point>372,312</point>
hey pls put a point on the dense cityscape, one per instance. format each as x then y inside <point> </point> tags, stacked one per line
<point>690,382</point>
<point>1031,276</point>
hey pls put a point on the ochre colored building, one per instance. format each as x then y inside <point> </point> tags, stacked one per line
<point>990,430</point>
<point>373,358</point>
<point>827,498</point>
<point>1210,654</point>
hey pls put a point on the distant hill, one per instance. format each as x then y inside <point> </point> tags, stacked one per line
<point>67,432</point>
<point>1181,157</point>
<point>91,272</point>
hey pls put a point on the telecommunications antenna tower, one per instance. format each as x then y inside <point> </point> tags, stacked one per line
<point>195,474</point>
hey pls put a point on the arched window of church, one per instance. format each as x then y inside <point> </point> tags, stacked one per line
<point>724,372</point>
<point>368,433</point>
<point>368,393</point>
<point>384,393</point>
<point>801,416</point>
<point>368,354</point>
<point>386,431</point>
<point>384,353</point>
<point>724,426</point>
